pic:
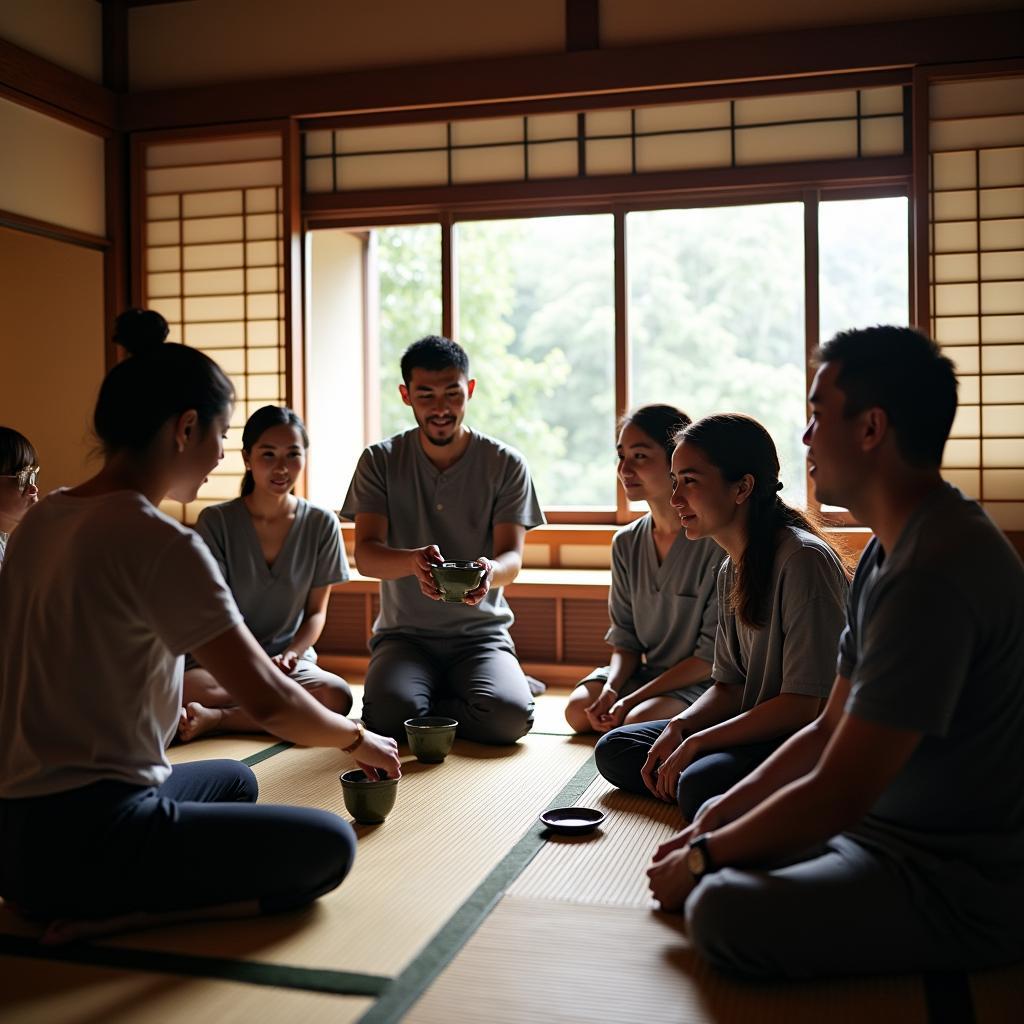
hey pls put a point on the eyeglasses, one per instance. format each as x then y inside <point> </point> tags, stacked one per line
<point>26,477</point>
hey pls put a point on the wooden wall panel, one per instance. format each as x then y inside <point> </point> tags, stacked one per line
<point>586,623</point>
<point>534,632</point>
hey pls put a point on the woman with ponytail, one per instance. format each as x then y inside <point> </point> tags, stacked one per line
<point>280,556</point>
<point>101,597</point>
<point>781,606</point>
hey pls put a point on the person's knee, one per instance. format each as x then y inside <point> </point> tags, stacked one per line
<point>388,715</point>
<point>334,693</point>
<point>701,781</point>
<point>576,715</point>
<point>498,721</point>
<point>332,853</point>
<point>615,756</point>
<point>245,787</point>
<point>723,928</point>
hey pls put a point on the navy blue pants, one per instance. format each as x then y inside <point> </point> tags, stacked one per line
<point>198,840</point>
<point>621,754</point>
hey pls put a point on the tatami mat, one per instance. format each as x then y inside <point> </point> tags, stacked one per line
<point>549,714</point>
<point>537,960</point>
<point>452,823</point>
<point>46,992</point>
<point>606,866</point>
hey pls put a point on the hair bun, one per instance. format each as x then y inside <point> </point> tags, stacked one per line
<point>778,486</point>
<point>140,331</point>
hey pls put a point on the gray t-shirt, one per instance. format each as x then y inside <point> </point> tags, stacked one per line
<point>456,510</point>
<point>273,598</point>
<point>667,612</point>
<point>795,651</point>
<point>100,598</point>
<point>934,643</point>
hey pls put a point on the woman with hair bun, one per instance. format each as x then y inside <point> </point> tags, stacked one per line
<point>279,555</point>
<point>781,607</point>
<point>102,595</point>
<point>19,469</point>
<point>662,604</point>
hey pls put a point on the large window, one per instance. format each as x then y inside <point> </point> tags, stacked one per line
<point>712,309</point>
<point>716,318</point>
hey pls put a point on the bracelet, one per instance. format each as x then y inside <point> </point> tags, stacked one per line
<point>360,736</point>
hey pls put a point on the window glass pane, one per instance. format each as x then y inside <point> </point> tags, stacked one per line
<point>862,256</point>
<point>408,260</point>
<point>536,315</point>
<point>716,318</point>
<point>862,267</point>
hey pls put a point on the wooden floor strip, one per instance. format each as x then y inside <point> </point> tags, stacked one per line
<point>46,992</point>
<point>538,960</point>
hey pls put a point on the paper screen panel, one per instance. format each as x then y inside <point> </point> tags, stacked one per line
<point>214,267</point>
<point>977,282</point>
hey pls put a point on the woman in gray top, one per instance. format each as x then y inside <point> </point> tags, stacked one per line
<point>18,492</point>
<point>662,605</point>
<point>781,600</point>
<point>280,556</point>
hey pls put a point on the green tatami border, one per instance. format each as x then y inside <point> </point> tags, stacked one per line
<point>346,983</point>
<point>262,755</point>
<point>460,927</point>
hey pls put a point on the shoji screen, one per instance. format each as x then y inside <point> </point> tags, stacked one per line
<point>977,282</point>
<point>213,265</point>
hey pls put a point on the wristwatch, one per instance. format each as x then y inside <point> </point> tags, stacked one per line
<point>360,736</point>
<point>698,858</point>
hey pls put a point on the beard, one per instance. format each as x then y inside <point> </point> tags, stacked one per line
<point>439,442</point>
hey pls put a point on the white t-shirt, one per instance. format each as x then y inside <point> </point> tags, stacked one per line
<point>99,599</point>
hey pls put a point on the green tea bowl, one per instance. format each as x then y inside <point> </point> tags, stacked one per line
<point>456,579</point>
<point>369,801</point>
<point>431,738</point>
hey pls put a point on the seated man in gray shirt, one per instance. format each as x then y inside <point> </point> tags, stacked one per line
<point>888,835</point>
<point>442,491</point>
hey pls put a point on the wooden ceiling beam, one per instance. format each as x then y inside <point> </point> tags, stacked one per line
<point>776,55</point>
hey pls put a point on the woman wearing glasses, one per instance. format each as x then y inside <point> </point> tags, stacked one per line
<point>18,491</point>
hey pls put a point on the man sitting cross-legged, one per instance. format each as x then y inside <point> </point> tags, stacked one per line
<point>887,835</point>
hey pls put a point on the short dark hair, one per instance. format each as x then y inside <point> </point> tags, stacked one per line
<point>156,382</point>
<point>16,452</point>
<point>433,353</point>
<point>660,423</point>
<point>258,424</point>
<point>903,372</point>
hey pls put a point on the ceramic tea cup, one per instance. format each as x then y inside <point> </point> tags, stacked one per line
<point>368,800</point>
<point>431,738</point>
<point>456,579</point>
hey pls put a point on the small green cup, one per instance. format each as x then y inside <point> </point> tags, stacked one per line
<point>430,739</point>
<point>456,579</point>
<point>368,800</point>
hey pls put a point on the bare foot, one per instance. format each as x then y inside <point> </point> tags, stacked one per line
<point>196,719</point>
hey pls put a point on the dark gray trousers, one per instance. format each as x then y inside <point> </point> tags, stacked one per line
<point>477,681</point>
<point>622,752</point>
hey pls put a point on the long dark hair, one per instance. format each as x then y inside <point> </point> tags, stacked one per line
<point>738,445</point>
<point>157,381</point>
<point>16,452</point>
<point>261,421</point>
<point>660,423</point>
